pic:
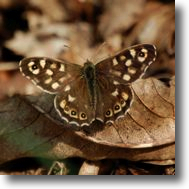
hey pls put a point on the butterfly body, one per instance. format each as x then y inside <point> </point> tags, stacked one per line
<point>89,73</point>
<point>90,92</point>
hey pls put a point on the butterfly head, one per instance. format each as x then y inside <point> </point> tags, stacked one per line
<point>89,70</point>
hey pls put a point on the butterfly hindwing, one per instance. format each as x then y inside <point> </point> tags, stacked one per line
<point>73,104</point>
<point>50,75</point>
<point>112,104</point>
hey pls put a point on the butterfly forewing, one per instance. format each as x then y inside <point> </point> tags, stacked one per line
<point>128,65</point>
<point>49,74</point>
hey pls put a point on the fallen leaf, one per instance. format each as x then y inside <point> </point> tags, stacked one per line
<point>119,15</point>
<point>30,127</point>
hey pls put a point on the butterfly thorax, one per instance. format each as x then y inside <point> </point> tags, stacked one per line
<point>89,73</point>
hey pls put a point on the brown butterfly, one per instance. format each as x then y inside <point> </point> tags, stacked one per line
<point>90,92</point>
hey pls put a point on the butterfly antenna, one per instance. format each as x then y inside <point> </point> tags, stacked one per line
<point>98,50</point>
<point>79,55</point>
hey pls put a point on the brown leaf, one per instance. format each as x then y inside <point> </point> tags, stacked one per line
<point>119,15</point>
<point>156,26</point>
<point>47,7</point>
<point>90,168</point>
<point>51,40</point>
<point>30,127</point>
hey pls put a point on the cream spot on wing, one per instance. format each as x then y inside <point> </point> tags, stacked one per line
<point>62,79</point>
<point>71,98</point>
<point>42,63</point>
<point>115,62</point>
<point>36,71</point>
<point>117,108</point>
<point>132,70</point>
<point>144,50</point>
<point>115,93</point>
<point>133,53</point>
<point>35,80</point>
<point>115,72</point>
<point>125,95</point>
<point>31,64</point>
<point>109,113</point>
<point>53,66</point>
<point>47,81</point>
<point>67,88</point>
<point>116,82</point>
<point>82,116</point>
<point>27,77</point>
<point>62,68</point>
<point>73,113</point>
<point>123,103</point>
<point>126,77</point>
<point>122,57</point>
<point>55,85</point>
<point>67,109</point>
<point>143,58</point>
<point>128,63</point>
<point>63,104</point>
<point>49,72</point>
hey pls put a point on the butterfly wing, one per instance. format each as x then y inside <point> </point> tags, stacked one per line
<point>128,65</point>
<point>114,76</point>
<point>73,105</point>
<point>113,100</point>
<point>50,75</point>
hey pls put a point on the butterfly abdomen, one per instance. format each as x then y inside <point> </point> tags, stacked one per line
<point>89,73</point>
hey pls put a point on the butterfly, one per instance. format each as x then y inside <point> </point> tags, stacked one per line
<point>91,92</point>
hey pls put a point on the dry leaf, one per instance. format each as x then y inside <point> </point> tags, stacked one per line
<point>119,15</point>
<point>156,26</point>
<point>62,41</point>
<point>31,127</point>
<point>47,7</point>
<point>90,168</point>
